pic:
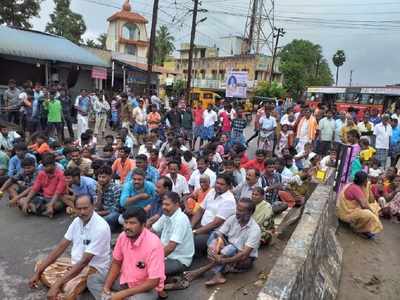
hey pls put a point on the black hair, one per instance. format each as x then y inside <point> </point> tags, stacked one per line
<point>21,146</point>
<point>139,172</point>
<point>48,159</point>
<point>260,190</point>
<point>256,171</point>
<point>108,148</point>
<point>167,182</point>
<point>107,170</point>
<point>28,161</point>
<point>175,162</point>
<point>260,152</point>
<point>227,162</point>
<point>203,158</point>
<point>126,150</point>
<point>141,157</point>
<point>250,204</point>
<point>227,177</point>
<point>360,178</point>
<point>173,196</point>
<point>154,151</point>
<point>135,212</point>
<point>188,155</point>
<point>269,161</point>
<point>73,172</point>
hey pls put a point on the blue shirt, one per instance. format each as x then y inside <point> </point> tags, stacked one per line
<point>84,104</point>
<point>152,175</point>
<point>395,136</point>
<point>87,186</point>
<point>156,207</point>
<point>375,120</point>
<point>14,165</point>
<point>128,190</point>
<point>133,102</point>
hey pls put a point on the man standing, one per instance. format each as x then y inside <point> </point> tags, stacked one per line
<point>198,124</point>
<point>306,130</point>
<point>382,132</point>
<point>83,106</point>
<point>90,237</point>
<point>210,118</point>
<point>366,128</point>
<point>327,133</point>
<point>238,126</point>
<point>12,102</point>
<point>66,112</point>
<point>101,107</point>
<point>139,116</point>
<point>339,124</point>
<point>54,116</point>
<point>138,262</point>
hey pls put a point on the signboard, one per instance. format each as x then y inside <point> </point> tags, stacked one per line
<point>381,90</point>
<point>326,90</point>
<point>99,73</point>
<point>236,84</point>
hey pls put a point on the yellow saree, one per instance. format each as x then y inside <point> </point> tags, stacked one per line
<point>361,220</point>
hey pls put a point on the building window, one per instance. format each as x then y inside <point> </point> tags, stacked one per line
<point>131,49</point>
<point>202,74</point>
<point>130,32</point>
<point>214,74</point>
<point>222,75</point>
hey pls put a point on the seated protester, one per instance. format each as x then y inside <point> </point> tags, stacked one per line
<point>77,161</point>
<point>163,186</point>
<point>123,165</point>
<point>189,159</point>
<point>154,159</point>
<point>233,247</point>
<point>141,272</point>
<point>329,161</point>
<point>137,191</point>
<point>228,168</point>
<point>152,174</point>
<point>258,162</point>
<point>7,138</point>
<point>18,186</point>
<point>303,158</point>
<point>374,170</point>
<point>367,152</point>
<point>155,138</point>
<point>176,235</point>
<point>4,161</point>
<point>14,165</point>
<point>224,146</point>
<point>107,156</point>
<point>77,185</point>
<point>108,195</point>
<point>174,155</point>
<point>179,183</point>
<point>196,198</point>
<point>90,254</point>
<point>263,215</point>
<point>218,205</point>
<point>239,173</point>
<point>40,145</point>
<point>289,172</point>
<point>240,151</point>
<point>245,189</point>
<point>214,165</point>
<point>88,153</point>
<point>146,147</point>
<point>202,168</point>
<point>88,140</point>
<point>109,140</point>
<point>166,146</point>
<point>45,196</point>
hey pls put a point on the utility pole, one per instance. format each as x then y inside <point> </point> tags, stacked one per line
<point>190,62</point>
<point>351,77</point>
<point>150,55</point>
<point>281,33</point>
<point>252,25</point>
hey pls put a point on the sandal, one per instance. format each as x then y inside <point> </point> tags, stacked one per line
<point>180,285</point>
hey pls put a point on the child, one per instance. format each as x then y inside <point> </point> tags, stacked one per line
<point>367,152</point>
<point>374,171</point>
<point>40,146</point>
<point>285,140</point>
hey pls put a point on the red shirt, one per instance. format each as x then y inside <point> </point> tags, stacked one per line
<point>198,116</point>
<point>243,160</point>
<point>226,121</point>
<point>50,184</point>
<point>184,170</point>
<point>254,164</point>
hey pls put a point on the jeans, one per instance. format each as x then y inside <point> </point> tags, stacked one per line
<point>200,244</point>
<point>174,267</point>
<point>112,220</point>
<point>95,284</point>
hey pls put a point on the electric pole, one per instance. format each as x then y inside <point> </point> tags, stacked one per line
<point>190,62</point>
<point>351,77</point>
<point>281,33</point>
<point>150,55</point>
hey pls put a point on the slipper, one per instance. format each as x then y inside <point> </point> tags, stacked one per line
<point>180,285</point>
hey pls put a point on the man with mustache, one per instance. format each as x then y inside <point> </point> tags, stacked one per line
<point>233,247</point>
<point>138,262</point>
<point>90,237</point>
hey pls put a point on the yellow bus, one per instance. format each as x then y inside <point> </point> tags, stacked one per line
<point>205,97</point>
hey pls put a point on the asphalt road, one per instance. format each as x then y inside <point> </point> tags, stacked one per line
<point>24,240</point>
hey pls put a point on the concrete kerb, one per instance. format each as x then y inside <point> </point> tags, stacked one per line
<point>310,266</point>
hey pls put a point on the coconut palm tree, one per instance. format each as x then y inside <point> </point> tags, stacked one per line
<point>164,44</point>
<point>338,59</point>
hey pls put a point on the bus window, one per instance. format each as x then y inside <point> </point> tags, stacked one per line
<point>195,96</point>
<point>341,98</point>
<point>378,99</point>
<point>208,96</point>
<point>366,99</point>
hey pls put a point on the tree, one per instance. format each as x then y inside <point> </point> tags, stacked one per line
<point>101,40</point>
<point>164,45</point>
<point>18,12</point>
<point>338,60</point>
<point>65,22</point>
<point>273,90</point>
<point>179,88</point>
<point>91,43</point>
<point>302,65</point>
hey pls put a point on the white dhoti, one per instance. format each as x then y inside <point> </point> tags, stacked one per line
<point>83,124</point>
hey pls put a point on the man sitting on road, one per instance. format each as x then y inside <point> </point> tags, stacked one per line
<point>179,183</point>
<point>218,205</point>
<point>245,189</point>
<point>45,196</point>
<point>138,269</point>
<point>90,237</point>
<point>164,185</point>
<point>233,247</point>
<point>77,161</point>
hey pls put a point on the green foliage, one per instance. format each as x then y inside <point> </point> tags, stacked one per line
<point>302,65</point>
<point>91,43</point>
<point>338,60</point>
<point>273,90</point>
<point>179,88</point>
<point>164,45</point>
<point>101,40</point>
<point>66,23</point>
<point>18,12</point>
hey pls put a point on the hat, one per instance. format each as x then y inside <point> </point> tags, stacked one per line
<point>312,155</point>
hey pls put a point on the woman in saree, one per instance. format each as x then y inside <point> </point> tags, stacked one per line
<point>357,206</point>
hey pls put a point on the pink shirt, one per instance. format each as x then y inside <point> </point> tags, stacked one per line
<point>147,249</point>
<point>226,121</point>
<point>198,116</point>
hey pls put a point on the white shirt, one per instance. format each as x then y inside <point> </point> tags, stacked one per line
<point>222,206</point>
<point>194,179</point>
<point>303,134</point>
<point>382,134</point>
<point>209,118</point>
<point>267,123</point>
<point>93,238</point>
<point>139,115</point>
<point>192,163</point>
<point>240,237</point>
<point>180,186</point>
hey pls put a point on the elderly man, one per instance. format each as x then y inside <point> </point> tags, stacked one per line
<point>218,205</point>
<point>163,185</point>
<point>83,105</point>
<point>138,262</point>
<point>306,130</point>
<point>245,189</point>
<point>179,183</point>
<point>90,237</point>
<point>234,244</point>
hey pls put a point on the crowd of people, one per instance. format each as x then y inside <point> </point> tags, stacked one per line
<point>179,182</point>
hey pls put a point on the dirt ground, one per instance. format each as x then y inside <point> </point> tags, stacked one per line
<point>371,268</point>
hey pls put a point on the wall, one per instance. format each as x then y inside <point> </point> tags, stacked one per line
<point>310,265</point>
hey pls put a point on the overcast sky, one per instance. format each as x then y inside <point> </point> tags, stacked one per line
<point>367,30</point>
